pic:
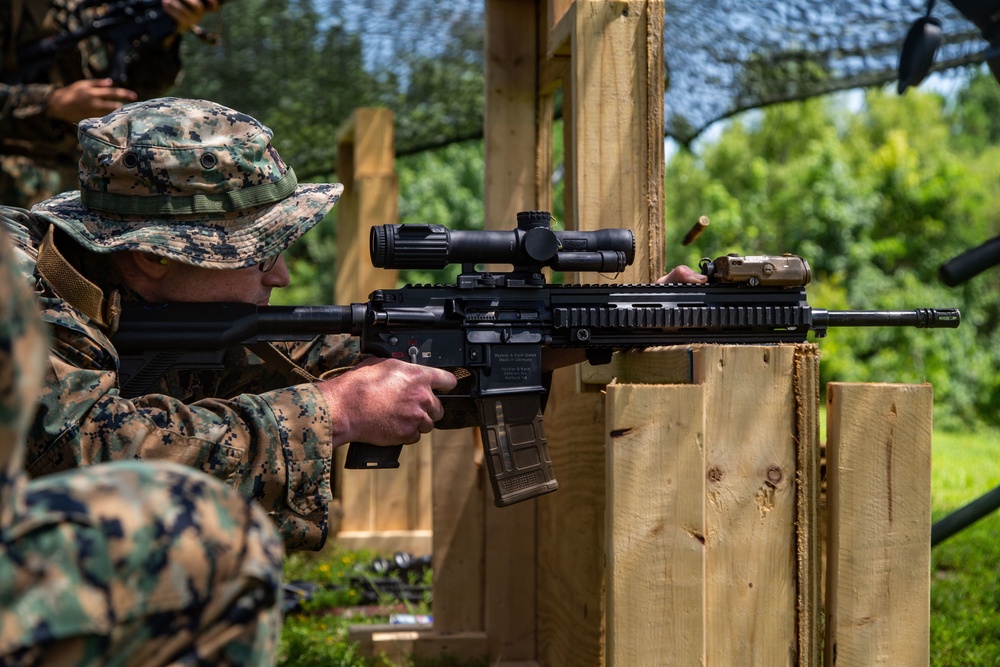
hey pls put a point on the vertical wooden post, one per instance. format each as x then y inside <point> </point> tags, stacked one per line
<point>616,77</point>
<point>510,141</point>
<point>385,510</point>
<point>610,59</point>
<point>878,490</point>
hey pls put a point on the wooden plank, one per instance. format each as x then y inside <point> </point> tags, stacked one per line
<point>651,93</point>
<point>561,21</point>
<point>384,542</point>
<point>606,134</point>
<point>571,530</point>
<point>510,140</point>
<point>760,414</point>
<point>366,166</point>
<point>750,513</point>
<point>393,500</point>
<point>511,147</point>
<point>399,644</point>
<point>385,500</point>
<point>809,545</point>
<point>878,487</point>
<point>619,129</point>
<point>458,558</point>
<point>422,480</point>
<point>656,525</point>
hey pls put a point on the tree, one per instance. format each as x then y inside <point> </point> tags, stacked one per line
<point>876,199</point>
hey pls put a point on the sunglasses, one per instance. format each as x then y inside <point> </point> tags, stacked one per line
<point>268,263</point>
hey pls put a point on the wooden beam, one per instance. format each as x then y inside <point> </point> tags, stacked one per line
<point>878,488</point>
<point>656,525</point>
<point>571,530</point>
<point>750,458</point>
<point>618,124</point>
<point>598,51</point>
<point>390,509</point>
<point>511,148</point>
<point>809,512</point>
<point>459,539</point>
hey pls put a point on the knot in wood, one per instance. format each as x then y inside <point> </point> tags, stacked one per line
<point>774,474</point>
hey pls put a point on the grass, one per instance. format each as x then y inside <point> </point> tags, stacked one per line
<point>965,577</point>
<point>965,568</point>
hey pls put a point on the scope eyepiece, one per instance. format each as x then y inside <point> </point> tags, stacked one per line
<point>531,246</point>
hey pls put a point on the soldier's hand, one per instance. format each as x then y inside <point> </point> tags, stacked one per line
<point>87,98</point>
<point>385,401</point>
<point>683,274</point>
<point>187,13</point>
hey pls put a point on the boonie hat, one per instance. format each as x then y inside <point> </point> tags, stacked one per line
<point>190,180</point>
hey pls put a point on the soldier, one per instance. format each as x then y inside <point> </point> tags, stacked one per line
<point>151,564</point>
<point>38,150</point>
<point>187,200</point>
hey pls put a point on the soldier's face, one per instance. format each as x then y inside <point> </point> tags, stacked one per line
<point>184,282</point>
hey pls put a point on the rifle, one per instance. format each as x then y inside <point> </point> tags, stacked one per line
<point>126,26</point>
<point>492,327</point>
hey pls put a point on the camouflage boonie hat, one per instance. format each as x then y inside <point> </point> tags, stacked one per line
<point>189,180</point>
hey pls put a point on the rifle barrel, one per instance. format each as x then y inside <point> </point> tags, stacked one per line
<point>921,318</point>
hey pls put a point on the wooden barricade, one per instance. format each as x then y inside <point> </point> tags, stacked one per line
<point>385,510</point>
<point>711,500</point>
<point>686,527</point>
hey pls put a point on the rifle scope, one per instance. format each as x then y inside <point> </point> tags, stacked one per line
<point>532,245</point>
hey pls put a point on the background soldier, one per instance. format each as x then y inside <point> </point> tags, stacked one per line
<point>38,149</point>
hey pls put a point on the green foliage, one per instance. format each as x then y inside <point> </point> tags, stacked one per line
<point>876,199</point>
<point>319,641</point>
<point>284,63</point>
<point>318,634</point>
<point>977,112</point>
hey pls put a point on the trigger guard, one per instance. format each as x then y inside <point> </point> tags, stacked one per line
<point>459,412</point>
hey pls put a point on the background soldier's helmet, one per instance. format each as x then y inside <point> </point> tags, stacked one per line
<point>189,180</point>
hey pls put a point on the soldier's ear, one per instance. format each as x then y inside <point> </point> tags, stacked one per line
<point>150,265</point>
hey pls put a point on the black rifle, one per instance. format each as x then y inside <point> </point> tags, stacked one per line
<point>126,26</point>
<point>493,326</point>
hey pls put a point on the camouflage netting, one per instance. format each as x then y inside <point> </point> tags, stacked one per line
<point>721,56</point>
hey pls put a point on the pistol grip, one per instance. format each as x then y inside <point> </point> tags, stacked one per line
<point>363,456</point>
<point>517,452</point>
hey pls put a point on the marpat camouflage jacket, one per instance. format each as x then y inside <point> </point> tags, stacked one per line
<point>242,424</point>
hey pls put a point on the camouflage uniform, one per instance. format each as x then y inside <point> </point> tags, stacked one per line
<point>243,424</point>
<point>125,563</point>
<point>38,154</point>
